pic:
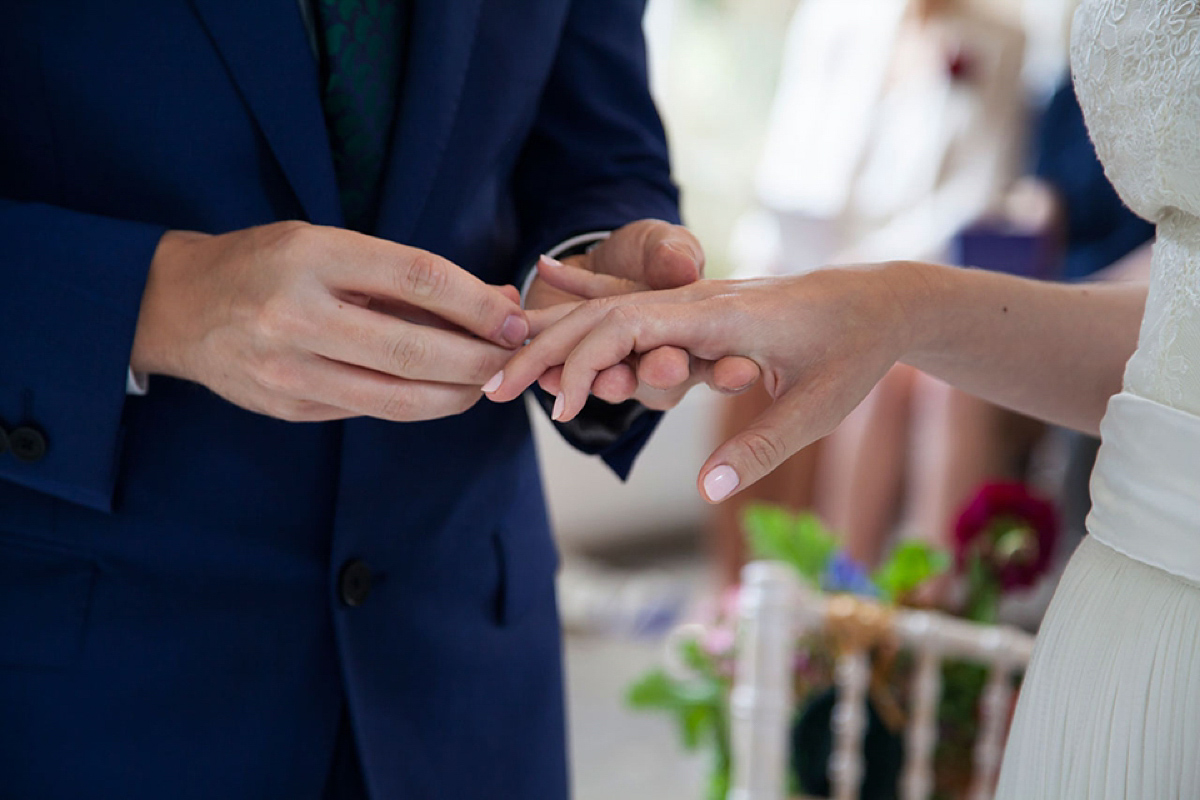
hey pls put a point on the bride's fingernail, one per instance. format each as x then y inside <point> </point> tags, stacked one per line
<point>720,483</point>
<point>560,405</point>
<point>494,383</point>
<point>547,261</point>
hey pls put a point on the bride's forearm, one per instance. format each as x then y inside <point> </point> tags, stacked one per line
<point>1053,351</point>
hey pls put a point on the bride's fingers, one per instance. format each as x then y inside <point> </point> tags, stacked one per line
<point>547,350</point>
<point>772,438</point>
<point>700,322</point>
<point>614,385</point>
<point>542,318</point>
<point>551,380</point>
<point>632,329</point>
<point>604,347</point>
<point>584,282</point>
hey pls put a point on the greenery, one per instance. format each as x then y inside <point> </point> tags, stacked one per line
<point>911,565</point>
<point>798,539</point>
<point>700,707</point>
<point>802,541</point>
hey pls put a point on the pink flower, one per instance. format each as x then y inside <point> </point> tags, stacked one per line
<point>1011,530</point>
<point>719,641</point>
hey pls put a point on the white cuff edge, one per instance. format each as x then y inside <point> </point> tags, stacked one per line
<point>137,383</point>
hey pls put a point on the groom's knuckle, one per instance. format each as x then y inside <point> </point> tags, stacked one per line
<point>396,405</point>
<point>425,278</point>
<point>407,352</point>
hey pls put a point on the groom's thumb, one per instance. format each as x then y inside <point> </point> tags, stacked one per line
<point>774,437</point>
<point>672,256</point>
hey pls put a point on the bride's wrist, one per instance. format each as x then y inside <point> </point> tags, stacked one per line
<point>918,291</point>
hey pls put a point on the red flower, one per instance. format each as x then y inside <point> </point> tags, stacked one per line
<point>1011,530</point>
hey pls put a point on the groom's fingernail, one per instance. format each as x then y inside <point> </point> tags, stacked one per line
<point>547,261</point>
<point>515,330</point>
<point>560,405</point>
<point>720,483</point>
<point>494,384</point>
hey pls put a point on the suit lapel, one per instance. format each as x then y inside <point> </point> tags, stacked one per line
<point>266,50</point>
<point>439,53</point>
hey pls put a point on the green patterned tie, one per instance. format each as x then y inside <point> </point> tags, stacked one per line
<point>361,44</point>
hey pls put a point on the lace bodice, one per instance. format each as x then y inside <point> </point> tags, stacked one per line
<point>1137,72</point>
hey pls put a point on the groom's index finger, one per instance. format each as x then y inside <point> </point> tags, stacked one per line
<point>430,282</point>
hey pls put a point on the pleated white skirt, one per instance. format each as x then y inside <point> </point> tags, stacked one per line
<point>1110,706</point>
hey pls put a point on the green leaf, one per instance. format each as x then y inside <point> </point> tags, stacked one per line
<point>910,565</point>
<point>797,539</point>
<point>657,690</point>
<point>718,783</point>
<point>697,707</point>
<point>654,690</point>
<point>696,726</point>
<point>698,659</point>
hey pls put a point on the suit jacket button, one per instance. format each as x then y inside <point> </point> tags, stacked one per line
<point>27,444</point>
<point>354,582</point>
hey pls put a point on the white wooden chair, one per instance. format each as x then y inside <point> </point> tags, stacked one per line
<point>775,610</point>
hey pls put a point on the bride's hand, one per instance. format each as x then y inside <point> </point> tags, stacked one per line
<point>822,341</point>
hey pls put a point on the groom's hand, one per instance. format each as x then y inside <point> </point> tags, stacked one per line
<point>644,255</point>
<point>308,323</point>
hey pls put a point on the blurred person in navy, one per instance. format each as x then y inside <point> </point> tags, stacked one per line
<point>257,538</point>
<point>1098,228</point>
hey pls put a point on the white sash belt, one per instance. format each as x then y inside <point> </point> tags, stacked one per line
<point>1146,486</point>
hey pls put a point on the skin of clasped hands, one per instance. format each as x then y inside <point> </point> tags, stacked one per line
<point>307,323</point>
<point>822,341</point>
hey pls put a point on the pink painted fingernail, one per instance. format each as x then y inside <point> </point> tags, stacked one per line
<point>515,330</point>
<point>560,405</point>
<point>547,261</point>
<point>494,384</point>
<point>720,483</point>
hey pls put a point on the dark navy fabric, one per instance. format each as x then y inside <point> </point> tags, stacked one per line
<point>170,621</point>
<point>1100,227</point>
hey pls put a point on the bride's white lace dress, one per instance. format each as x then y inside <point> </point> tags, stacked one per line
<point>1111,704</point>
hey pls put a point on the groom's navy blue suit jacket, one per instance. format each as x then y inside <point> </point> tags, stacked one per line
<point>172,622</point>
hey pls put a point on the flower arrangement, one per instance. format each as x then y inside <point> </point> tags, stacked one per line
<point>1003,541</point>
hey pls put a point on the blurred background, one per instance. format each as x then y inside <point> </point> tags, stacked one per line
<point>814,132</point>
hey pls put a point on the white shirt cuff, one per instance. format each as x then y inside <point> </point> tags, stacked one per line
<point>137,383</point>
<point>594,238</point>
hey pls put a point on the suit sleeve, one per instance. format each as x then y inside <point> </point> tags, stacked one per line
<point>596,157</point>
<point>70,291</point>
